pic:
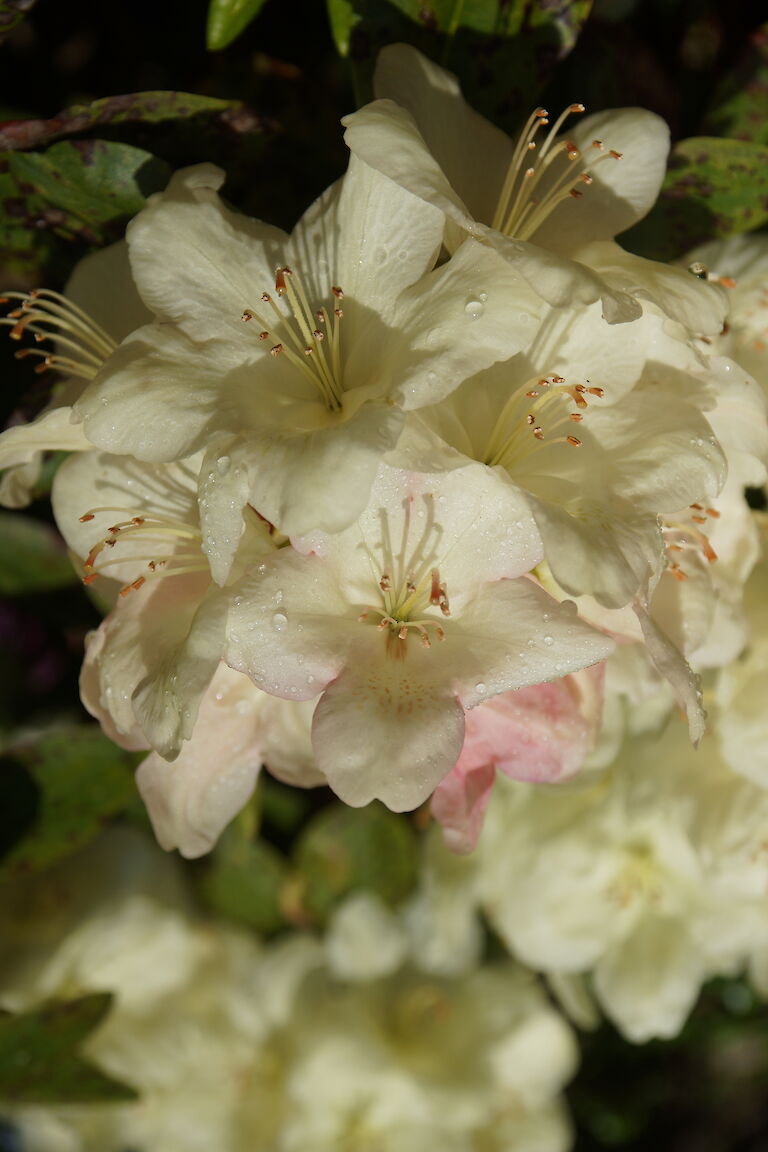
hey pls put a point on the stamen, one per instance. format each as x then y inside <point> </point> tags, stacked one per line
<point>545,420</point>
<point>49,316</point>
<point>301,340</point>
<point>145,525</point>
<point>521,209</point>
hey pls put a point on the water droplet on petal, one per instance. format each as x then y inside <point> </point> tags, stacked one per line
<point>279,621</point>
<point>222,465</point>
<point>548,640</point>
<point>473,308</point>
<point>480,687</point>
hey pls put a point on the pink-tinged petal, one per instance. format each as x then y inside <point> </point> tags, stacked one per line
<point>459,803</point>
<point>387,729</point>
<point>191,800</point>
<point>539,734</point>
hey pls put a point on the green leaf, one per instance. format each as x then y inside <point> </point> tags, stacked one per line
<point>25,245</point>
<point>739,106</point>
<point>343,849</point>
<point>144,107</point>
<point>12,12</point>
<point>33,557</point>
<point>342,18</point>
<point>92,183</point>
<point>243,879</point>
<point>227,19</point>
<point>38,1058</point>
<point>713,188</point>
<point>84,780</point>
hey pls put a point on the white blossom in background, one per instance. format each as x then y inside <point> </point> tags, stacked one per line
<point>651,879</point>
<point>234,1044</point>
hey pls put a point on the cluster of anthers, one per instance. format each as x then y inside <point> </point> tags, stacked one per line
<point>312,342</point>
<point>145,526</point>
<point>400,601</point>
<point>80,345</point>
<point>509,443</point>
<point>686,533</point>
<point>532,188</point>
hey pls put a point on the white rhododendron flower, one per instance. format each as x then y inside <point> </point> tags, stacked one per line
<point>73,334</point>
<point>295,383</point>
<point>416,612</point>
<point>232,1044</point>
<point>552,204</point>
<point>604,430</point>
<point>652,879</point>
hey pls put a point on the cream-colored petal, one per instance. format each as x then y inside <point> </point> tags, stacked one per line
<point>470,150</point>
<point>197,263</point>
<point>387,730</point>
<point>367,235</point>
<point>191,800</point>
<point>622,191</point>
<point>22,445</point>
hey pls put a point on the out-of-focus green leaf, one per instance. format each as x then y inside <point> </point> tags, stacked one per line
<point>84,779</point>
<point>343,849</point>
<point>342,18</point>
<point>25,245</point>
<point>503,52</point>
<point>12,12</point>
<point>713,188</point>
<point>38,1055</point>
<point>243,879</point>
<point>494,18</point>
<point>739,106</point>
<point>144,107</point>
<point>32,556</point>
<point>227,19</point>
<point>92,184</point>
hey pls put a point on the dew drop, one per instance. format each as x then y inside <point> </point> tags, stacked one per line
<point>548,640</point>
<point>480,687</point>
<point>473,308</point>
<point>279,621</point>
<point>222,464</point>
<point>482,297</point>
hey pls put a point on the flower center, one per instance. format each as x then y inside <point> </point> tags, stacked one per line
<point>686,534</point>
<point>311,340</point>
<point>640,879</point>
<point>537,414</point>
<point>151,528</point>
<point>406,588</point>
<point>79,346</point>
<point>536,180</point>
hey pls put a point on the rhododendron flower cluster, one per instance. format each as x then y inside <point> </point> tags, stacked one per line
<point>373,502</point>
